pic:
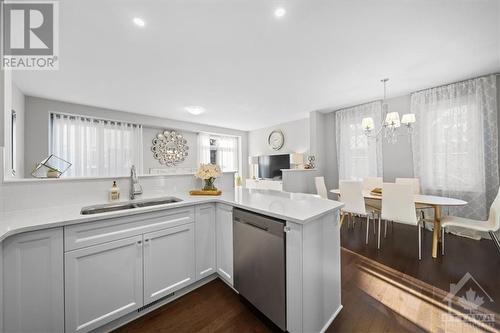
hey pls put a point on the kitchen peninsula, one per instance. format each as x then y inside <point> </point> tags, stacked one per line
<point>77,273</point>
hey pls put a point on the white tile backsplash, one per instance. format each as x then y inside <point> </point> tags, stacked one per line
<point>50,193</point>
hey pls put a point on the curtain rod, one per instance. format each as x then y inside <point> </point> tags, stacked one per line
<point>447,84</point>
<point>74,115</point>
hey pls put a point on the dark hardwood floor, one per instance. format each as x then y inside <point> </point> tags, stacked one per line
<point>400,249</point>
<point>382,291</point>
<point>213,307</point>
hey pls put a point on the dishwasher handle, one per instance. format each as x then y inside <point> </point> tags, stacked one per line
<point>273,226</point>
<point>252,224</point>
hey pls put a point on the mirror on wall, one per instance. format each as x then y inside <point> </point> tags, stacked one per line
<point>100,142</point>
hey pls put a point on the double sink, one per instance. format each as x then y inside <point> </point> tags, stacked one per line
<point>113,207</point>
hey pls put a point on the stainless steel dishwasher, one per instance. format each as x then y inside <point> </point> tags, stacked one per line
<point>259,263</point>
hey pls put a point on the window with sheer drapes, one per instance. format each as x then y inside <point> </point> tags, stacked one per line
<point>227,153</point>
<point>357,155</point>
<point>220,150</point>
<point>96,147</point>
<point>455,143</point>
<point>203,148</point>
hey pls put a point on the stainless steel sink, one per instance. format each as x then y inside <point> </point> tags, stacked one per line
<point>113,207</point>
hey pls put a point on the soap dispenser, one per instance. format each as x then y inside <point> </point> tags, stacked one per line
<point>114,192</point>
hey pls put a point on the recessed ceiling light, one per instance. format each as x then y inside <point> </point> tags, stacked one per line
<point>279,12</point>
<point>139,22</point>
<point>196,110</point>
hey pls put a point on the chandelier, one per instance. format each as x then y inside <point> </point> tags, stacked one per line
<point>390,127</point>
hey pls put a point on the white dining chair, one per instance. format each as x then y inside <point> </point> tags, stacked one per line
<point>351,195</point>
<point>490,226</point>
<point>321,187</point>
<point>415,184</point>
<point>370,183</point>
<point>398,205</point>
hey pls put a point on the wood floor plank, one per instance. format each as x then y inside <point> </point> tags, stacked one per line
<point>382,291</point>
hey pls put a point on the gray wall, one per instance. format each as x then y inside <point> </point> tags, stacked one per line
<point>148,160</point>
<point>318,130</point>
<point>4,81</point>
<point>296,138</point>
<point>37,130</point>
<point>498,102</point>
<point>15,102</point>
<point>397,158</point>
<point>331,168</point>
<point>18,101</point>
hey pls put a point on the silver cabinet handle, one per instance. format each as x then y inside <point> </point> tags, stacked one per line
<point>287,229</point>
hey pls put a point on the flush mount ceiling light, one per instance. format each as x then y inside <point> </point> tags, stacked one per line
<point>279,12</point>
<point>196,110</point>
<point>139,22</point>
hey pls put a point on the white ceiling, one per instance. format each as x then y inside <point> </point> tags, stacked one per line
<point>251,70</point>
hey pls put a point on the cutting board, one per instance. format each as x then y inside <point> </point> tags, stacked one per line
<point>201,192</point>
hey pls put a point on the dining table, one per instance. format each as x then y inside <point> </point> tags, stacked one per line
<point>429,201</point>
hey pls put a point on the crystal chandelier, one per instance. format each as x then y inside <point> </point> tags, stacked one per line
<point>392,123</point>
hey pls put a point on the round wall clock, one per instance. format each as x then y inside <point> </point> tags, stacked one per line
<point>276,140</point>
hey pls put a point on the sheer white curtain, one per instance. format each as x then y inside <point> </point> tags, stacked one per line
<point>455,143</point>
<point>96,147</point>
<point>227,153</point>
<point>203,148</point>
<point>357,155</point>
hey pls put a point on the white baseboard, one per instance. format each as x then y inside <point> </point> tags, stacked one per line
<point>135,315</point>
<point>332,318</point>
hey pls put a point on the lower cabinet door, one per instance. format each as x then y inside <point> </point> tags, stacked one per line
<point>206,260</point>
<point>33,282</point>
<point>169,261</point>
<point>224,235</point>
<point>103,283</point>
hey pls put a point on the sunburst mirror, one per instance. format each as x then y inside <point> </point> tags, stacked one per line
<point>169,148</point>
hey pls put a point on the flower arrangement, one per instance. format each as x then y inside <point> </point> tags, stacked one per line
<point>208,173</point>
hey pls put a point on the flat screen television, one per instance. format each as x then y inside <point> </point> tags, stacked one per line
<point>270,166</point>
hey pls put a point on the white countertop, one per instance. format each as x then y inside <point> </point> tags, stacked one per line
<point>293,207</point>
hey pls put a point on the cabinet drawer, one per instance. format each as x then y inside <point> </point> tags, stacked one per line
<point>93,233</point>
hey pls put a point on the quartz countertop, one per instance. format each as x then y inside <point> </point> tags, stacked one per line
<point>294,207</point>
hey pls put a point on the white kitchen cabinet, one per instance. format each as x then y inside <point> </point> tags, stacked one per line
<point>81,235</point>
<point>33,298</point>
<point>206,258</point>
<point>169,261</point>
<point>103,283</point>
<point>224,236</point>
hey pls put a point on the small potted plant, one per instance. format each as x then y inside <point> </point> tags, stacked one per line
<point>208,173</point>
